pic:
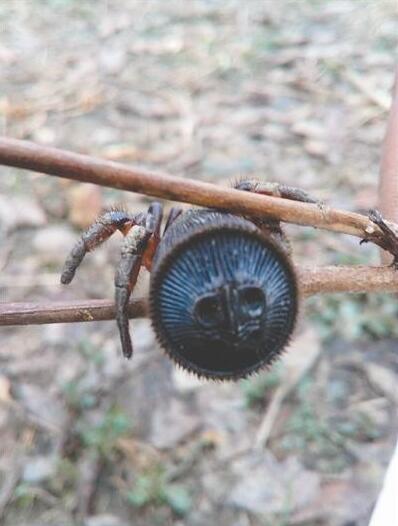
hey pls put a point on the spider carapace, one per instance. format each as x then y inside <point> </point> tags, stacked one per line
<point>223,292</point>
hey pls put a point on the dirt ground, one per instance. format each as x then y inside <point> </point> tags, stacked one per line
<point>288,91</point>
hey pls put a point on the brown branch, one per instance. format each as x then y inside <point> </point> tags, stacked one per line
<point>23,154</point>
<point>312,281</point>
<point>64,312</point>
<point>388,182</point>
<point>354,279</point>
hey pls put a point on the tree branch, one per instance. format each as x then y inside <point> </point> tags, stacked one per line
<point>27,155</point>
<point>65,312</point>
<point>311,281</point>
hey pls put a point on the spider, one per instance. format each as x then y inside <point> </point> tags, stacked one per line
<point>223,292</point>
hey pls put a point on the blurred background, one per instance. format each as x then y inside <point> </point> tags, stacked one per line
<point>289,91</point>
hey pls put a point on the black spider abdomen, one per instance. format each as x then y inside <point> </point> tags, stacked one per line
<point>223,295</point>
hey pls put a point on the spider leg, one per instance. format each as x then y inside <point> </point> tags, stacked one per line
<point>125,278</point>
<point>154,218</point>
<point>390,241</point>
<point>273,226</point>
<point>96,234</point>
<point>138,248</point>
<point>173,214</point>
<point>152,225</point>
<point>276,190</point>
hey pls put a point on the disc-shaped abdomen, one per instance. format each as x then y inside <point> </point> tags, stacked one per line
<point>223,296</point>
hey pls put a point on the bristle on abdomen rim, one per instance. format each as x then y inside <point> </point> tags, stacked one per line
<point>225,251</point>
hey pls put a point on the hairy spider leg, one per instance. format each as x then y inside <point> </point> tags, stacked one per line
<point>97,233</point>
<point>173,214</point>
<point>266,224</point>
<point>126,276</point>
<point>153,223</point>
<point>275,190</point>
<point>138,248</point>
<point>390,241</point>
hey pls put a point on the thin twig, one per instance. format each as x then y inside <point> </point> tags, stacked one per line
<point>11,481</point>
<point>376,97</point>
<point>269,417</point>
<point>30,156</point>
<point>91,465</point>
<point>313,280</point>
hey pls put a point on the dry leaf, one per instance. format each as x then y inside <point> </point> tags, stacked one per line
<point>5,386</point>
<point>85,204</point>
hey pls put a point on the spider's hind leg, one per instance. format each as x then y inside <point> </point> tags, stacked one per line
<point>96,234</point>
<point>174,214</point>
<point>276,190</point>
<point>266,224</point>
<point>138,248</point>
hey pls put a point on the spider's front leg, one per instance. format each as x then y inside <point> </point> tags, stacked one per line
<point>138,248</point>
<point>96,234</point>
